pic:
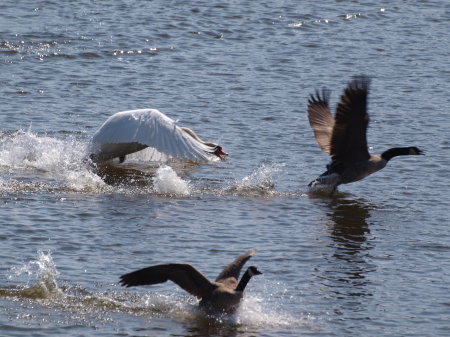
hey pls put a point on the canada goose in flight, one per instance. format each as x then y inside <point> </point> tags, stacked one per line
<point>224,294</point>
<point>131,131</point>
<point>344,136</point>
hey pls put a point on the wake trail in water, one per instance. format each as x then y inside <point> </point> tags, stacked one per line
<point>36,281</point>
<point>34,163</point>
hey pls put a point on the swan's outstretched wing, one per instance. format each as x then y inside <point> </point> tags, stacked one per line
<point>149,154</point>
<point>321,119</point>
<point>348,142</point>
<point>185,275</point>
<point>134,129</point>
<point>234,268</point>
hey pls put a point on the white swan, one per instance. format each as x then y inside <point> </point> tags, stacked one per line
<point>130,131</point>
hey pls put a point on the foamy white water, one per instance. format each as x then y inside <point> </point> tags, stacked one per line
<point>261,181</point>
<point>62,162</point>
<point>39,276</point>
<point>166,181</point>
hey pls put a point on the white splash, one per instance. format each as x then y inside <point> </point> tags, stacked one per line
<point>60,162</point>
<point>166,181</point>
<point>253,311</point>
<point>42,273</point>
<point>261,181</point>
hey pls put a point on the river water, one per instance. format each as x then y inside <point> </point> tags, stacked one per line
<point>374,260</point>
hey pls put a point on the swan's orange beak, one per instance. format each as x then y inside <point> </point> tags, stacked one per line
<point>220,153</point>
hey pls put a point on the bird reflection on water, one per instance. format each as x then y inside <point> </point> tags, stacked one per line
<point>139,174</point>
<point>206,325</point>
<point>350,260</point>
<point>349,227</point>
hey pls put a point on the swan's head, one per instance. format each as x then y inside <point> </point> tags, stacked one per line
<point>219,152</point>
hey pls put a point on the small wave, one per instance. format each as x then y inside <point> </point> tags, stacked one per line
<point>345,17</point>
<point>89,55</point>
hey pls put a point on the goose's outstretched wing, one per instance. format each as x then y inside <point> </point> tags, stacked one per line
<point>321,119</point>
<point>129,130</point>
<point>234,268</point>
<point>349,142</point>
<point>185,275</point>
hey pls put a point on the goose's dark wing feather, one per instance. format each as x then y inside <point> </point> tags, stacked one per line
<point>185,275</point>
<point>348,141</point>
<point>234,268</point>
<point>321,119</point>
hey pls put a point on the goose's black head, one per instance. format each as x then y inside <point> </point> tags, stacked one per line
<point>252,271</point>
<point>414,151</point>
<point>219,152</point>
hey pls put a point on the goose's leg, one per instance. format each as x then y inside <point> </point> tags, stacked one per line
<point>333,191</point>
<point>327,179</point>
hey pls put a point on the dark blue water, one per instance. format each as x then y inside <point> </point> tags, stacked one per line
<point>371,261</point>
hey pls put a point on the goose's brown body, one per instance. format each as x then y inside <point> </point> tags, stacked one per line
<point>223,294</point>
<point>344,136</point>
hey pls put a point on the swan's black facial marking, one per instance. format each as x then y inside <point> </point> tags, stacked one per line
<point>219,152</point>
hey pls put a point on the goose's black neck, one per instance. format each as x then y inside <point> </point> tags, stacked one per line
<point>394,152</point>
<point>244,280</point>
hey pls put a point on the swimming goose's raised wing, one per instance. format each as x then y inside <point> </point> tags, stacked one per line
<point>321,119</point>
<point>151,128</point>
<point>234,268</point>
<point>348,141</point>
<point>185,275</point>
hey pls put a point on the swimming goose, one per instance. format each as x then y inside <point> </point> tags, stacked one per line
<point>224,294</point>
<point>131,131</point>
<point>344,136</point>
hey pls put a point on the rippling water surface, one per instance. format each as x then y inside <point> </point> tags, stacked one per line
<point>371,261</point>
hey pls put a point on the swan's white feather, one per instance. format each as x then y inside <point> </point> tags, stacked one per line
<point>124,132</point>
<point>148,154</point>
